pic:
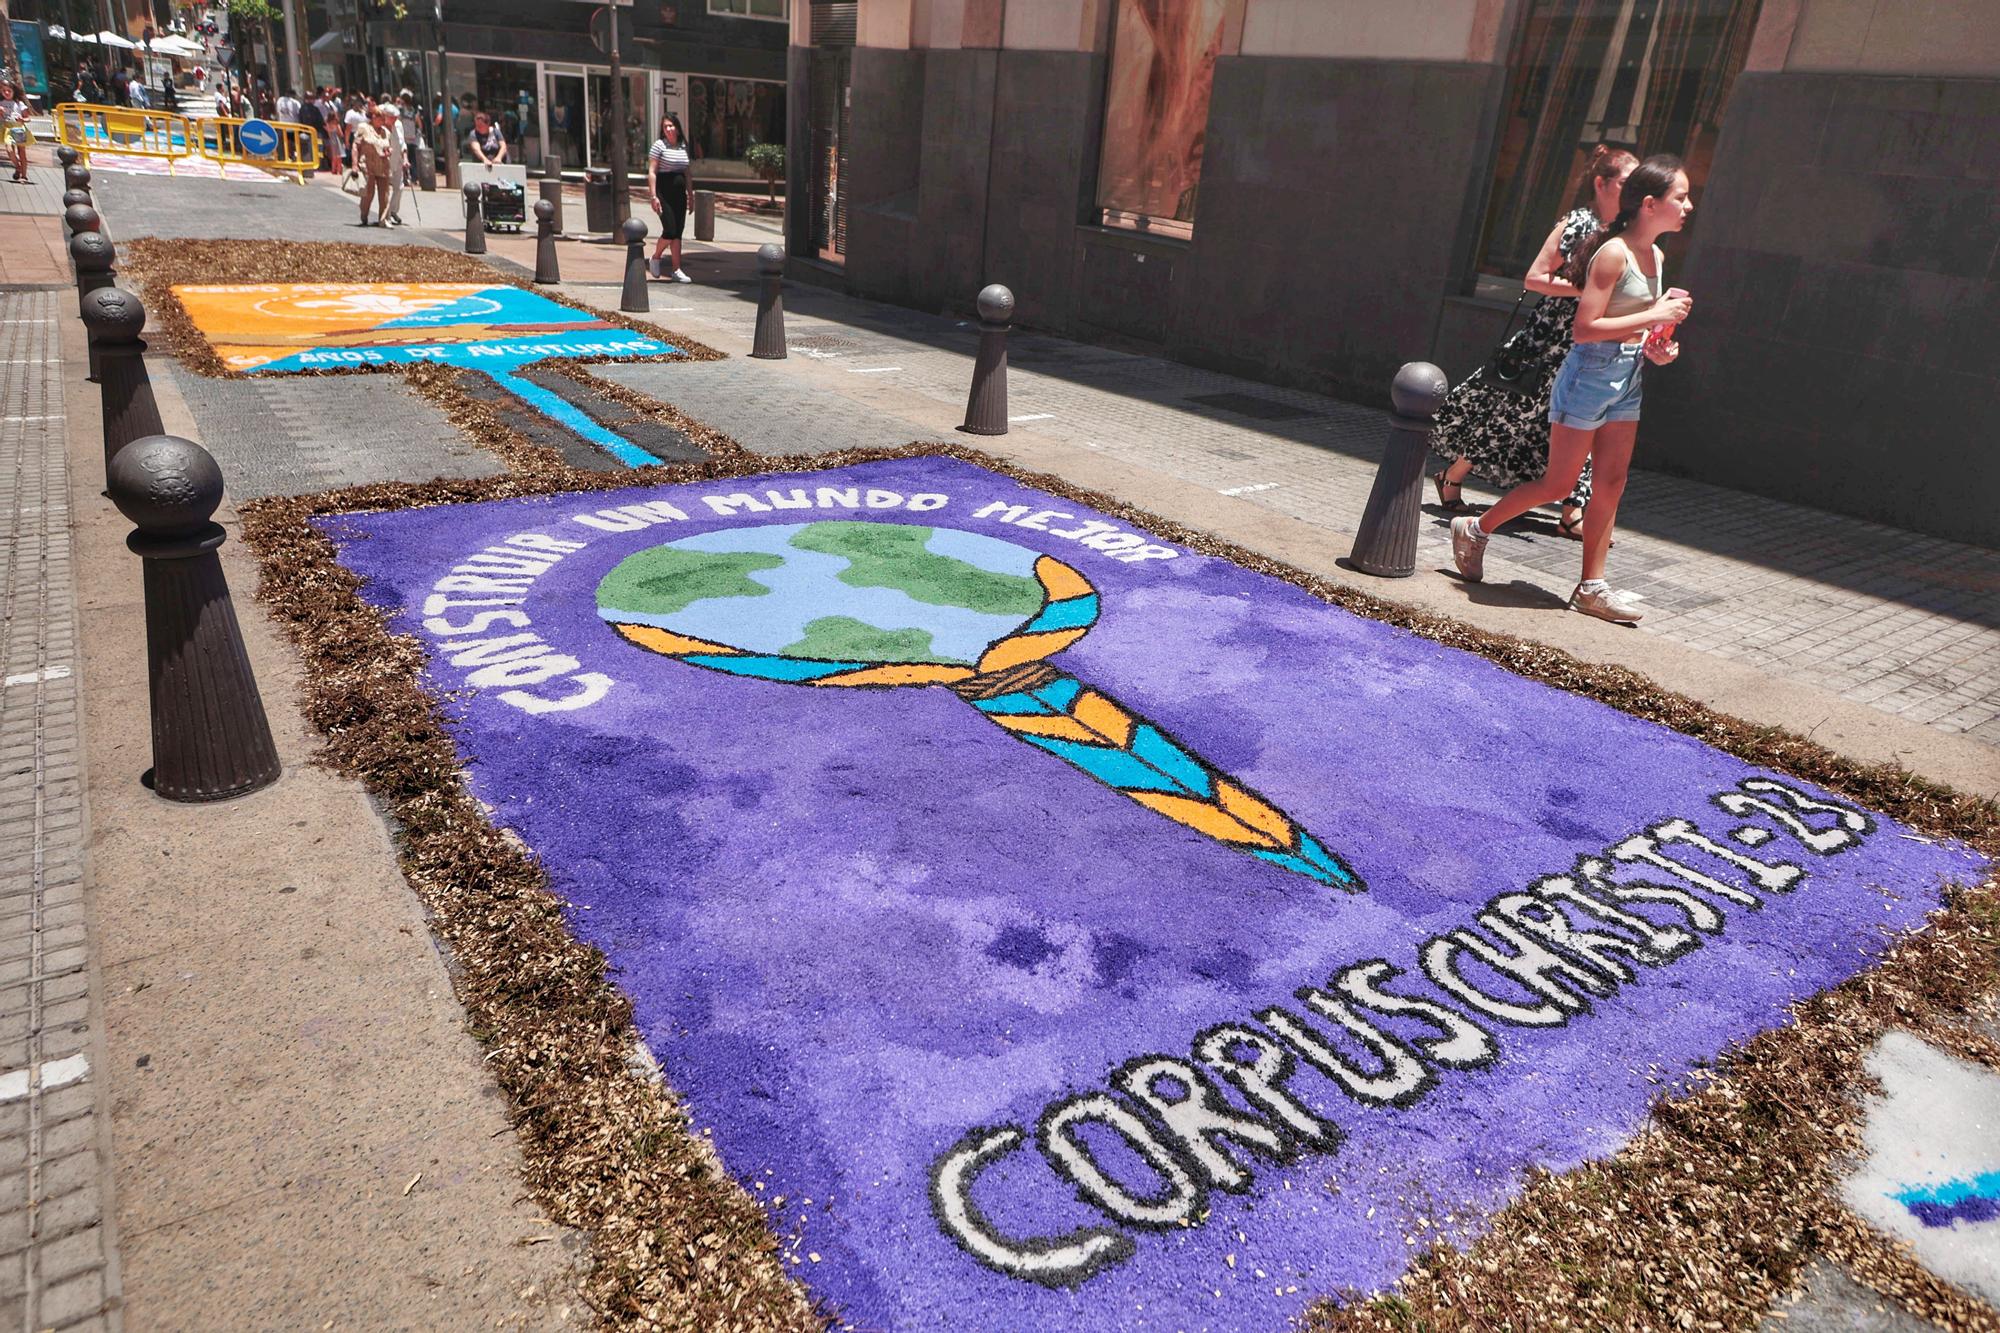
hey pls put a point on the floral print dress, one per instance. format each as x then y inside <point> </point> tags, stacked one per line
<point>1503,433</point>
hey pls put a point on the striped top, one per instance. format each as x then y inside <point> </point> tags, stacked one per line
<point>668,157</point>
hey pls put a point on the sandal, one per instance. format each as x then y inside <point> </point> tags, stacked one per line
<point>1572,528</point>
<point>1451,504</point>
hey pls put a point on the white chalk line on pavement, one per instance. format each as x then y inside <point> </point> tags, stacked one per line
<point>17,1083</point>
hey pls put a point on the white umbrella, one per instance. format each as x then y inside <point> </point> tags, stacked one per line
<point>113,39</point>
<point>57,30</point>
<point>177,46</point>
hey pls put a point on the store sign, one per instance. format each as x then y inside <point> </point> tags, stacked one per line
<point>1063,928</point>
<point>28,54</point>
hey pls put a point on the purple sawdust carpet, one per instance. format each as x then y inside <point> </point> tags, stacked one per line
<point>1057,927</point>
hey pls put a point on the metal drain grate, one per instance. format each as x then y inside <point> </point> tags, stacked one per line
<point>1249,405</point>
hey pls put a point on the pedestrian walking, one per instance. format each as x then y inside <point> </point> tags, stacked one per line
<point>370,142</point>
<point>313,118</point>
<point>336,147</point>
<point>289,107</point>
<point>1624,318</point>
<point>399,158</point>
<point>14,112</point>
<point>1495,423</point>
<point>667,165</point>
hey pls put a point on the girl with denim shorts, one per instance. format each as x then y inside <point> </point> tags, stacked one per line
<point>1594,403</point>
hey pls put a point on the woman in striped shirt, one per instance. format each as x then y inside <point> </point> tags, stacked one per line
<point>667,175</point>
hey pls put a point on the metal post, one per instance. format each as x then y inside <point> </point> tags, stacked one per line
<point>704,215</point>
<point>1385,541</point>
<point>986,405</point>
<point>211,740</point>
<point>634,297</point>
<point>552,195</point>
<point>620,155</point>
<point>475,220</point>
<point>547,270</point>
<point>115,319</point>
<point>81,217</point>
<point>769,342</point>
<point>91,254</point>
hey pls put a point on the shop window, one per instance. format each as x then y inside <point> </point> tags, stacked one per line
<point>1163,56</point>
<point>726,116</point>
<point>752,9</point>
<point>504,90</point>
<point>1649,75</point>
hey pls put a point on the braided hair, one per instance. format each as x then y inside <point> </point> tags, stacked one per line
<point>1651,179</point>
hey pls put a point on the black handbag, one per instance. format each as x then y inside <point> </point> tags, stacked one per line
<point>1509,367</point>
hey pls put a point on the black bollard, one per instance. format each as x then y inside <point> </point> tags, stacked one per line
<point>65,156</point>
<point>115,319</point>
<point>1385,541</point>
<point>552,196</point>
<point>547,270</point>
<point>76,178</point>
<point>211,740</point>
<point>82,217</point>
<point>91,254</point>
<point>71,198</point>
<point>986,405</point>
<point>769,342</point>
<point>475,220</point>
<point>634,299</point>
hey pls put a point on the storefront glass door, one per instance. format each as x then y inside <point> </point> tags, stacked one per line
<point>562,96</point>
<point>637,110</point>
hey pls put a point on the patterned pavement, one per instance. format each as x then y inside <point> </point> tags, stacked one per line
<point>56,1269</point>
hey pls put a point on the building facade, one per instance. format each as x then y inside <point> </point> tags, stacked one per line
<point>717,64</point>
<point>1312,192</point>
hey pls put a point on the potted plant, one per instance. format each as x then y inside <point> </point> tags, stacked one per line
<point>768,161</point>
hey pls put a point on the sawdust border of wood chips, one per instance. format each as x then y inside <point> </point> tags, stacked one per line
<point>1702,1221</point>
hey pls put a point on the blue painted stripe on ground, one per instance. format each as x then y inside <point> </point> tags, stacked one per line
<point>1985,1185</point>
<point>772,668</point>
<point>571,417</point>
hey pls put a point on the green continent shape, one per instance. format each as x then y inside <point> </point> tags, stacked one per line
<point>666,579</point>
<point>845,639</point>
<point>892,555</point>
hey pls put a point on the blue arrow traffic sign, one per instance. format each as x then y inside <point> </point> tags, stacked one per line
<point>258,138</point>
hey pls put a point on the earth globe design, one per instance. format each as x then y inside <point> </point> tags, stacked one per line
<point>890,605</point>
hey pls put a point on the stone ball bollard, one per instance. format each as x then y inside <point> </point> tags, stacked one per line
<point>211,739</point>
<point>1385,540</point>
<point>995,304</point>
<point>76,178</point>
<point>82,217</point>
<point>634,299</point>
<point>548,269</point>
<point>91,255</point>
<point>71,198</point>
<point>986,404</point>
<point>475,219</point>
<point>115,320</point>
<point>66,156</point>
<point>768,344</point>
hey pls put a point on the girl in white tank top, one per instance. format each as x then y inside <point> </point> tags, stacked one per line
<point>1594,404</point>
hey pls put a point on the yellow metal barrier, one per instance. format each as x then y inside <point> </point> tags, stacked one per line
<point>88,128</point>
<point>297,150</point>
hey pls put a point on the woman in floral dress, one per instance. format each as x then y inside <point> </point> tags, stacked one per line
<point>1502,434</point>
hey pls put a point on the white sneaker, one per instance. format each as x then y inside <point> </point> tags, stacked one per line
<point>681,277</point>
<point>1610,604</point>
<point>1468,547</point>
<point>653,267</point>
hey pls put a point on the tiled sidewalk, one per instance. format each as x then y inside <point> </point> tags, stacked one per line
<point>55,1271</point>
<point>1905,623</point>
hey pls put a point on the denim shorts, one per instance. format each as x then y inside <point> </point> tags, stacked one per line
<point>1598,382</point>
